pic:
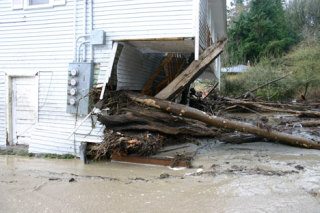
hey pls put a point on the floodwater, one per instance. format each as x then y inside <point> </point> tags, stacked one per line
<point>257,177</point>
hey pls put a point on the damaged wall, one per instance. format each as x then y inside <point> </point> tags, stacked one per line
<point>40,41</point>
<point>134,68</point>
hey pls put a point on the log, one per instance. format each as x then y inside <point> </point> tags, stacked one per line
<point>193,71</point>
<point>312,123</point>
<point>264,108</point>
<point>264,85</point>
<point>154,121</point>
<point>188,112</point>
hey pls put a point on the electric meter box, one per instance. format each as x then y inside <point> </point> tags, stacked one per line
<point>80,80</point>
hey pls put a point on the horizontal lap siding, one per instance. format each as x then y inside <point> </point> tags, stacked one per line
<point>41,40</point>
<point>128,19</point>
<point>2,110</point>
<point>55,125</point>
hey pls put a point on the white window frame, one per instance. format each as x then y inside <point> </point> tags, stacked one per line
<point>27,5</point>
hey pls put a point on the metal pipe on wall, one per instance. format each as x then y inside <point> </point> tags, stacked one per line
<point>84,27</point>
<point>76,46</point>
<point>74,30</point>
<point>79,49</point>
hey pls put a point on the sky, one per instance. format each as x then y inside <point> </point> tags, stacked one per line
<point>228,2</point>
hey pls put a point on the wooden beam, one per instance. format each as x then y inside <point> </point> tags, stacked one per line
<point>162,161</point>
<point>194,70</point>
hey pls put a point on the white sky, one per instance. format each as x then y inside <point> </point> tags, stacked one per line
<point>228,2</point>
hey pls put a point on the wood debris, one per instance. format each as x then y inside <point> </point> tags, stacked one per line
<point>140,125</point>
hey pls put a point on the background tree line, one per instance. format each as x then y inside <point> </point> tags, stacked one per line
<point>260,28</point>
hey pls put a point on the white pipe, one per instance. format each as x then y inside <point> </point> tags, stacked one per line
<point>74,29</point>
<point>91,27</point>
<point>76,45</point>
<point>84,27</point>
<point>79,49</point>
<point>77,127</point>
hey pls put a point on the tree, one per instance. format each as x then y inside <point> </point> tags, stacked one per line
<point>262,30</point>
<point>304,17</point>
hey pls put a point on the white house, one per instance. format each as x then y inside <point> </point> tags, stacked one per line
<point>40,38</point>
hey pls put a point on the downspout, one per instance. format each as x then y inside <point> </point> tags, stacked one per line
<point>76,54</point>
<point>74,30</point>
<point>84,28</point>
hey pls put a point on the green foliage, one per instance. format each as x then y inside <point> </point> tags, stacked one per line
<point>302,63</point>
<point>260,31</point>
<point>304,18</point>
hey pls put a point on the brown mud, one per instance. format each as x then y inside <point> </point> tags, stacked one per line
<point>252,177</point>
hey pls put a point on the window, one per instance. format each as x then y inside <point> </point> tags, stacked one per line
<point>30,4</point>
<point>38,2</point>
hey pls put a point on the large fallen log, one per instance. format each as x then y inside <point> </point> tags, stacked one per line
<point>140,118</point>
<point>215,121</point>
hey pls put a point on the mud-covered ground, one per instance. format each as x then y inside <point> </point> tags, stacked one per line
<point>257,177</point>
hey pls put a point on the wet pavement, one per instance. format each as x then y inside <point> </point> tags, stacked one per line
<point>257,177</point>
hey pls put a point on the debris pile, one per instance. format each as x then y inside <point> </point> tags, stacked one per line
<point>133,128</point>
<point>140,125</point>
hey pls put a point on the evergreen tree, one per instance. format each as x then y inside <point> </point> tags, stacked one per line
<point>304,18</point>
<point>260,31</point>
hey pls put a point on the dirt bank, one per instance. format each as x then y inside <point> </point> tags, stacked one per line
<point>256,177</point>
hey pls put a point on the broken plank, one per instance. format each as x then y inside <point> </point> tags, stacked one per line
<point>193,71</point>
<point>162,161</point>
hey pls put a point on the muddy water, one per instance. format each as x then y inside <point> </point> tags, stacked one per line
<point>230,178</point>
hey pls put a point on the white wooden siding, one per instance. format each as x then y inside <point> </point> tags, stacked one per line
<point>130,19</point>
<point>55,125</point>
<point>41,41</point>
<point>2,109</point>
